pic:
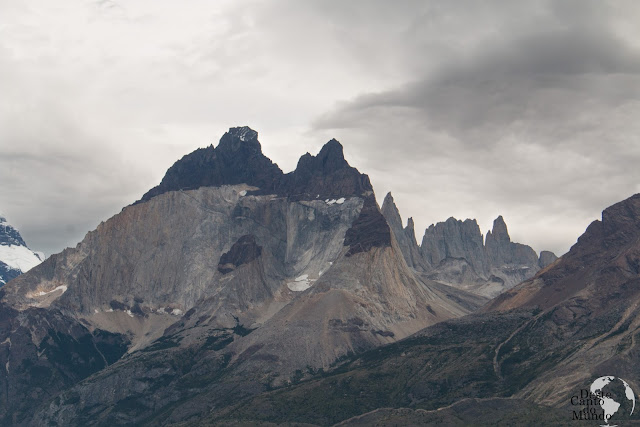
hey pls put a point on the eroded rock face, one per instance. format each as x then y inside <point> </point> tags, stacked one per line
<point>501,250</point>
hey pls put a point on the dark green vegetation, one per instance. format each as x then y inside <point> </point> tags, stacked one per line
<point>468,412</point>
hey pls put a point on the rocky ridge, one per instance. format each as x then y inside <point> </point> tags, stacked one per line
<point>455,252</point>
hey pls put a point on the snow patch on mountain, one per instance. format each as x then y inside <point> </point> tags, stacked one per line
<point>62,288</point>
<point>19,257</point>
<point>301,283</point>
<point>339,201</point>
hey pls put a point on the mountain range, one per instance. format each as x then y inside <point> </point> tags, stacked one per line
<point>233,293</point>
<point>456,253</point>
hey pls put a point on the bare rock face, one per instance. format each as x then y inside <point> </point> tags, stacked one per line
<point>546,258</point>
<point>501,250</point>
<point>455,239</point>
<point>455,253</point>
<point>231,269</point>
<point>459,257</point>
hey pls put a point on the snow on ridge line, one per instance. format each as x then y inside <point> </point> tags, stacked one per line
<point>19,257</point>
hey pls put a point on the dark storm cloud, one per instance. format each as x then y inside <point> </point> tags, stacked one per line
<point>545,77</point>
<point>536,121</point>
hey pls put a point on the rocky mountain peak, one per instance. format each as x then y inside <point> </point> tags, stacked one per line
<point>388,200</point>
<point>329,159</point>
<point>499,231</point>
<point>238,138</point>
<point>332,156</point>
<point>325,176</point>
<point>405,237</point>
<point>390,211</point>
<point>546,258</point>
<point>410,226</point>
<point>9,235</point>
<point>237,159</point>
<point>454,239</point>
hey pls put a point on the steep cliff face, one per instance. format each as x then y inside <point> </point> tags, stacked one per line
<point>487,269</point>
<point>455,239</point>
<point>231,265</point>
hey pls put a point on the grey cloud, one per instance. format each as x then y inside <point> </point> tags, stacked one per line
<point>550,76</point>
<point>468,108</point>
<point>536,124</point>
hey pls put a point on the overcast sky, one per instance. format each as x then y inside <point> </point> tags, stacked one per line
<point>471,109</point>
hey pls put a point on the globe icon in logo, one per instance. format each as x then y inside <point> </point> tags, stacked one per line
<point>609,405</point>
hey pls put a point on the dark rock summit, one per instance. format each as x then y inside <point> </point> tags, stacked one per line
<point>325,176</point>
<point>238,159</point>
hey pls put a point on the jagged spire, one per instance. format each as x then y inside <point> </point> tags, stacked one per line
<point>499,231</point>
